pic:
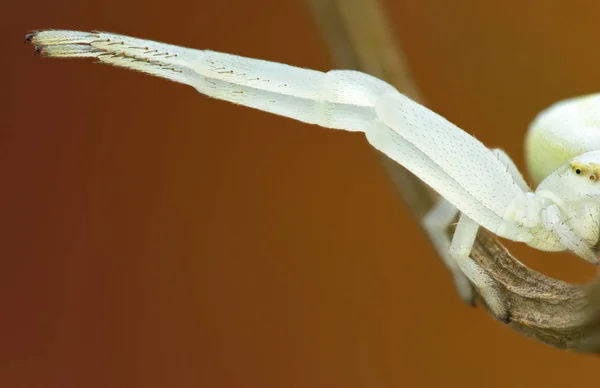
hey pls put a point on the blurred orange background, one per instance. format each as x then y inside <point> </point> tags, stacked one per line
<point>152,237</point>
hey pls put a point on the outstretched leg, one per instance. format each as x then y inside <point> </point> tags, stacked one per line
<point>339,99</point>
<point>460,249</point>
<point>436,224</point>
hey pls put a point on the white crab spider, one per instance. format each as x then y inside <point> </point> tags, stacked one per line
<point>482,184</point>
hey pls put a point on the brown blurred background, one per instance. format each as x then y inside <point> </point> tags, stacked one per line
<point>151,237</point>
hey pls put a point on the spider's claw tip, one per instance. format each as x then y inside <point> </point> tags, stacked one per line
<point>29,38</point>
<point>38,50</point>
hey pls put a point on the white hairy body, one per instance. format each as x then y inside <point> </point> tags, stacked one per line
<point>480,184</point>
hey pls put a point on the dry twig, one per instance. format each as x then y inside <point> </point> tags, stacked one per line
<point>554,312</point>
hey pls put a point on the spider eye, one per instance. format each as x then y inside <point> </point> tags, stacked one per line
<point>578,171</point>
<point>593,177</point>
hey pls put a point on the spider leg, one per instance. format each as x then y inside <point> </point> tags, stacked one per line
<point>554,220</point>
<point>511,168</point>
<point>435,224</point>
<point>460,249</point>
<point>463,269</point>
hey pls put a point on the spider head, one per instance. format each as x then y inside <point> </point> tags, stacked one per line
<point>577,180</point>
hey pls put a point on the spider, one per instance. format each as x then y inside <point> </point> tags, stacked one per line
<point>481,185</point>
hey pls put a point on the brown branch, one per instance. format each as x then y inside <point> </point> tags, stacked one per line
<point>554,312</point>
